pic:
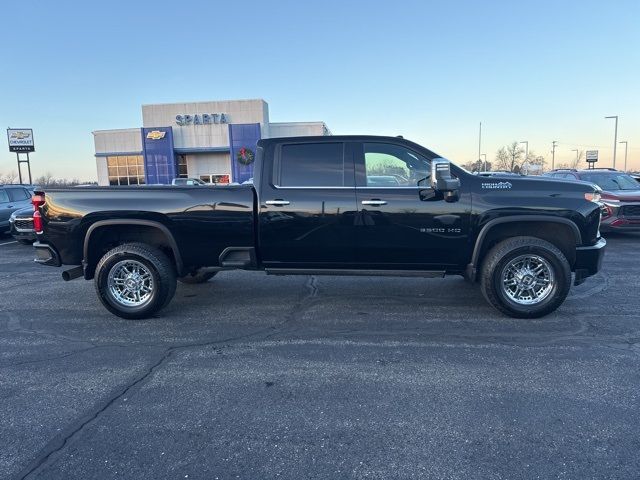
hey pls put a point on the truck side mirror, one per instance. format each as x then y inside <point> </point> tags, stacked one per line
<point>442,181</point>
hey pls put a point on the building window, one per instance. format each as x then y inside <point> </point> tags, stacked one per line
<point>126,170</point>
<point>182,166</point>
<point>222,179</point>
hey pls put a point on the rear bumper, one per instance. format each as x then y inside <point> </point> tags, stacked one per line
<point>46,255</point>
<point>589,260</point>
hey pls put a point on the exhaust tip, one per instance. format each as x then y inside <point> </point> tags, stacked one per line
<point>72,273</point>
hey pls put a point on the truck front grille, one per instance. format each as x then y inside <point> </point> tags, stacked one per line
<point>24,224</point>
<point>630,211</point>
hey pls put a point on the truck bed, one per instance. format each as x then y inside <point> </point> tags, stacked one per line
<point>203,220</point>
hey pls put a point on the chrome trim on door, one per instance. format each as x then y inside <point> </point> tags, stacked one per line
<point>277,203</point>
<point>375,203</point>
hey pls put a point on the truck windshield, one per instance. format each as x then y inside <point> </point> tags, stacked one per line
<point>611,181</point>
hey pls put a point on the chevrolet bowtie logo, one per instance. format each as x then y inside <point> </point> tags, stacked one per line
<point>19,135</point>
<point>156,135</point>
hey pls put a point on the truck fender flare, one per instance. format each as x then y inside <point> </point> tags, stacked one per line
<point>127,221</point>
<point>475,258</point>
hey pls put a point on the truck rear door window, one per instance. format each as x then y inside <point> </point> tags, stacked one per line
<point>312,165</point>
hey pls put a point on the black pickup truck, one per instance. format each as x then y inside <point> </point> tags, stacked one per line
<point>336,205</point>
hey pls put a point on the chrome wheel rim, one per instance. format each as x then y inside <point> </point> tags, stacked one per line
<point>528,279</point>
<point>130,283</point>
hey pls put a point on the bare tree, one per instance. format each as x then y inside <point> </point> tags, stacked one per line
<point>535,163</point>
<point>510,158</point>
<point>477,166</point>
<point>45,180</point>
<point>575,162</point>
<point>9,177</point>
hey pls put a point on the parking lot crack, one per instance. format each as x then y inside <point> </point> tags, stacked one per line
<point>57,445</point>
<point>48,359</point>
<point>14,324</point>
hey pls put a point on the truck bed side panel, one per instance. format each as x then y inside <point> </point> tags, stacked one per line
<point>203,220</point>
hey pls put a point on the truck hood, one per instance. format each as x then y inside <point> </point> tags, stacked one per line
<point>539,183</point>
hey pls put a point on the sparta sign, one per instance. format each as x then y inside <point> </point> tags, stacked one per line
<point>20,140</point>
<point>202,119</point>
<point>592,156</point>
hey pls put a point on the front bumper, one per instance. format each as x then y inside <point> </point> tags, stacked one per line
<point>46,255</point>
<point>620,224</point>
<point>20,234</point>
<point>589,260</point>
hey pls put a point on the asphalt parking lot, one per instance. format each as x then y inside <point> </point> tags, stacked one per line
<point>257,377</point>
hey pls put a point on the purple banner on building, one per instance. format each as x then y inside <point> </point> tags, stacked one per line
<point>242,140</point>
<point>159,157</point>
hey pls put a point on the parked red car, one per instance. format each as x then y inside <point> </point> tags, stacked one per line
<point>620,196</point>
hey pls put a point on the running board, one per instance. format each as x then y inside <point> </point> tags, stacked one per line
<point>358,273</point>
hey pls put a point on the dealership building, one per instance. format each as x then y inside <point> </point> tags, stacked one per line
<point>213,141</point>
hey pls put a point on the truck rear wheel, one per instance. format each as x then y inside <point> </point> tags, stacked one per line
<point>525,277</point>
<point>135,280</point>
<point>197,277</point>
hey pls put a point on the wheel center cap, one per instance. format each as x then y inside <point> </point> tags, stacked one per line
<point>527,280</point>
<point>132,283</point>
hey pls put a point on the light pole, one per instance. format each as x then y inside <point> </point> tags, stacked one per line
<point>480,141</point>
<point>485,160</point>
<point>615,139</point>
<point>625,154</point>
<point>553,154</point>
<point>577,151</point>
<point>526,156</point>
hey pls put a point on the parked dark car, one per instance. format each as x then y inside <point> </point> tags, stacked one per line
<point>317,208</point>
<point>620,196</point>
<point>21,226</point>
<point>12,198</point>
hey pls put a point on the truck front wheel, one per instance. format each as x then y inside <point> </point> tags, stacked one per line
<point>135,280</point>
<point>525,277</point>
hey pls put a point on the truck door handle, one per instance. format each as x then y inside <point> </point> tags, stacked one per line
<point>375,203</point>
<point>277,203</point>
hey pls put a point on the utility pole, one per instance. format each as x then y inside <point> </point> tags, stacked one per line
<point>485,161</point>
<point>480,144</point>
<point>615,139</point>
<point>626,144</point>
<point>576,156</point>
<point>553,154</point>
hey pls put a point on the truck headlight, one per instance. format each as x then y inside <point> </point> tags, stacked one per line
<point>593,197</point>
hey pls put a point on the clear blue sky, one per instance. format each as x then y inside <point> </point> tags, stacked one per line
<point>536,71</point>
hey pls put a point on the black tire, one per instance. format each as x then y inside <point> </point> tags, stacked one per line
<point>198,277</point>
<point>496,264</point>
<point>156,266</point>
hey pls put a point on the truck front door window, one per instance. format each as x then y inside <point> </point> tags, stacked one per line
<point>388,165</point>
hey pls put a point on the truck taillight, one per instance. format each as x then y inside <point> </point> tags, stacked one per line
<point>37,201</point>
<point>37,222</point>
